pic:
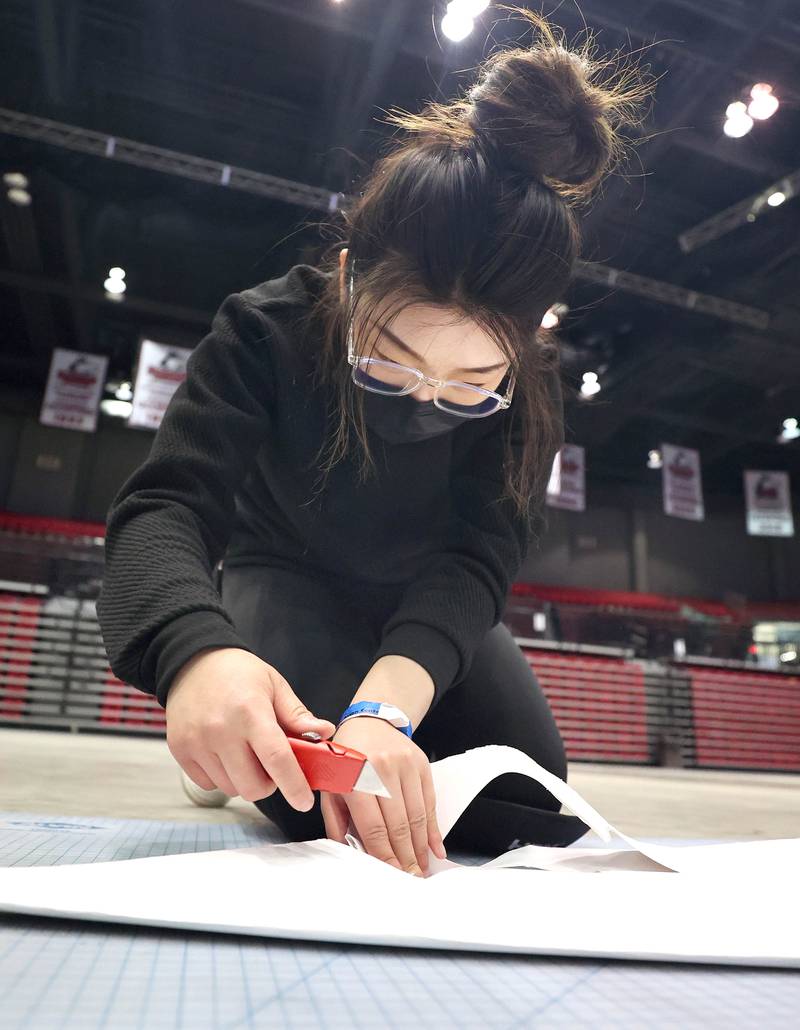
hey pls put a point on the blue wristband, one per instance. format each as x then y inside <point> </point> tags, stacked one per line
<point>381,709</point>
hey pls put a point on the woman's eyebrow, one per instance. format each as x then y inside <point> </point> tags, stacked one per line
<point>413,353</point>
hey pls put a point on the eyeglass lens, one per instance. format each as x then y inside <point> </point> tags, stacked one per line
<point>390,378</point>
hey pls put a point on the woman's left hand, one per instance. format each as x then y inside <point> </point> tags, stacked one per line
<point>399,829</point>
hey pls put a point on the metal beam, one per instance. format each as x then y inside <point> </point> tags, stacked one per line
<point>216,173</point>
<point>669,293</point>
<point>171,162</point>
<point>738,214</point>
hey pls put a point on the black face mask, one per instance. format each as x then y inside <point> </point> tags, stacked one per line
<point>406,420</point>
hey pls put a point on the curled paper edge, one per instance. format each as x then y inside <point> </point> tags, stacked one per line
<point>457,780</point>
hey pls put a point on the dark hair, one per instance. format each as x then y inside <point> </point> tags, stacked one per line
<point>474,211</point>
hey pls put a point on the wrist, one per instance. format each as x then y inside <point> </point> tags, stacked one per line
<point>381,710</point>
<point>399,681</point>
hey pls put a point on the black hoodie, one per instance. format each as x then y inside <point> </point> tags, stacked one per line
<point>231,474</point>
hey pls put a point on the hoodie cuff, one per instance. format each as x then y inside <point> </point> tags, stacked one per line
<point>431,649</point>
<point>181,639</point>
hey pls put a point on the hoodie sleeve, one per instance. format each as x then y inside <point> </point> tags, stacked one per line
<point>170,522</point>
<point>445,613</point>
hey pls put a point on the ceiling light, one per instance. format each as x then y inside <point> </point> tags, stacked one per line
<point>553,315</point>
<point>457,24</point>
<point>115,283</point>
<point>115,287</point>
<point>738,127</point>
<point>15,179</point>
<point>19,197</point>
<point>774,199</point>
<point>116,408</point>
<point>764,104</point>
<point>549,319</point>
<point>654,459</point>
<point>590,385</point>
<point>739,122</point>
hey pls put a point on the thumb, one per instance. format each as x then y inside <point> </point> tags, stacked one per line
<point>294,717</point>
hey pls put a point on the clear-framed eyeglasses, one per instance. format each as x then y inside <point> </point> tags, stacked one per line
<point>396,380</point>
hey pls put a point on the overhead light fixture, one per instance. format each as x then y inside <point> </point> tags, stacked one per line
<point>459,21</point>
<point>116,408</point>
<point>654,459</point>
<point>457,26</point>
<point>115,283</point>
<point>549,319</point>
<point>15,180</point>
<point>124,392</point>
<point>590,385</point>
<point>19,197</point>
<point>790,430</point>
<point>17,184</point>
<point>764,104</point>
<point>553,315</point>
<point>737,121</point>
<point>776,198</point>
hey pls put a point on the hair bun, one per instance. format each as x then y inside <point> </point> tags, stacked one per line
<point>548,112</point>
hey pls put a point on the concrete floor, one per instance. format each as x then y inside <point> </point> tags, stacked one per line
<point>91,774</point>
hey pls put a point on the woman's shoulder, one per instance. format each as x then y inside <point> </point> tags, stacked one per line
<point>299,287</point>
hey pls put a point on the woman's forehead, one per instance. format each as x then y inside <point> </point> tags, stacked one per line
<point>437,334</point>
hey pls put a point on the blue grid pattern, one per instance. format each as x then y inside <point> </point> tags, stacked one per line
<point>65,973</point>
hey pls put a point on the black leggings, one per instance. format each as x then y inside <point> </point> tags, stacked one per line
<point>321,637</point>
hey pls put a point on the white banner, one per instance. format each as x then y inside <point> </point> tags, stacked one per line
<point>73,390</point>
<point>769,503</point>
<point>682,482</point>
<point>160,372</point>
<point>567,486</point>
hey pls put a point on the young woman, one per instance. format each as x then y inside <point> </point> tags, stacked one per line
<point>379,573</point>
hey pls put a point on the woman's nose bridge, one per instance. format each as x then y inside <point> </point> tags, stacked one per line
<point>427,387</point>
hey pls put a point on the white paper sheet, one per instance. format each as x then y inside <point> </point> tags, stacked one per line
<point>732,903</point>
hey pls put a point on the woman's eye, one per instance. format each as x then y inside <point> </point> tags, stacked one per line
<point>398,361</point>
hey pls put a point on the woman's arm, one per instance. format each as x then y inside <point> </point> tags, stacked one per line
<point>170,522</point>
<point>445,613</point>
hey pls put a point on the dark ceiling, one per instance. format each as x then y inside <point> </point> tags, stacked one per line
<point>289,94</point>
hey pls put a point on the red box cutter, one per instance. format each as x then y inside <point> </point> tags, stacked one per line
<point>334,767</point>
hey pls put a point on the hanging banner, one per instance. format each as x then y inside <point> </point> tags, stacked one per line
<point>682,482</point>
<point>567,486</point>
<point>769,503</point>
<point>160,371</point>
<point>73,390</point>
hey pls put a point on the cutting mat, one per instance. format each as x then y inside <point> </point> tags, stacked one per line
<point>58,973</point>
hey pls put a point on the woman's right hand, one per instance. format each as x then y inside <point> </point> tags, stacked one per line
<point>228,714</point>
